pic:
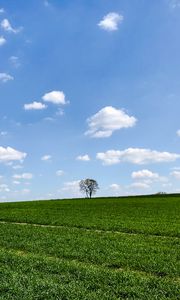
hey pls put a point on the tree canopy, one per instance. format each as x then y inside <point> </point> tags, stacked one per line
<point>88,186</point>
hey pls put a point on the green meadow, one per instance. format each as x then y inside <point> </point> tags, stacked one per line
<point>101,248</point>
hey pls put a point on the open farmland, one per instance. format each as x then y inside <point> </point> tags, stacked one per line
<point>103,248</point>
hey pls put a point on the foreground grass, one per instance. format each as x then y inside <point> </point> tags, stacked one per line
<point>111,248</point>
<point>29,276</point>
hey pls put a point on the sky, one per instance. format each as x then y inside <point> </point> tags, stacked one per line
<point>89,89</point>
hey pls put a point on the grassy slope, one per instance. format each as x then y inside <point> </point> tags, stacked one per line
<point>71,262</point>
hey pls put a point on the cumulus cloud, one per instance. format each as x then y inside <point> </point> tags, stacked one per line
<point>34,106</point>
<point>2,40</point>
<point>46,157</point>
<point>55,97</point>
<point>59,172</point>
<point>83,157</point>
<point>111,21</point>
<point>136,156</point>
<point>6,25</point>
<point>143,174</point>
<point>23,176</point>
<point>107,120</point>
<point>10,154</point>
<point>4,77</point>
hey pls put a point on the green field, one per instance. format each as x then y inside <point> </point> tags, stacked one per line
<point>103,248</point>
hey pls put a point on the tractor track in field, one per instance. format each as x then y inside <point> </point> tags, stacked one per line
<point>88,264</point>
<point>88,229</point>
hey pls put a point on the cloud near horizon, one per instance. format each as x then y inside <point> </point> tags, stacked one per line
<point>136,156</point>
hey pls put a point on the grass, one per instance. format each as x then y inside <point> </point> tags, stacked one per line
<point>106,248</point>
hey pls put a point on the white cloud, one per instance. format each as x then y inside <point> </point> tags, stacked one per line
<point>136,156</point>
<point>23,176</point>
<point>107,120</point>
<point>56,97</point>
<point>2,40</point>
<point>10,154</point>
<point>2,10</point>
<point>143,174</point>
<point>175,174</point>
<point>6,25</point>
<point>4,77</point>
<point>34,106</point>
<point>59,172</point>
<point>83,157</point>
<point>140,185</point>
<point>14,60</point>
<point>111,21</point>
<point>46,157</point>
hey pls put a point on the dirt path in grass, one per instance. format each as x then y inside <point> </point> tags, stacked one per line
<point>88,229</point>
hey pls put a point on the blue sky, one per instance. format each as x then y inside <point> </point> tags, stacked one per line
<point>89,89</point>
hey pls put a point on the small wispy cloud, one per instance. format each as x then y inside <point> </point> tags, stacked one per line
<point>178,132</point>
<point>83,157</point>
<point>46,157</point>
<point>34,106</point>
<point>2,40</point>
<point>46,3</point>
<point>14,60</point>
<point>23,176</point>
<point>3,133</point>
<point>6,26</point>
<point>59,172</point>
<point>111,21</point>
<point>2,10</point>
<point>4,77</point>
<point>174,4</point>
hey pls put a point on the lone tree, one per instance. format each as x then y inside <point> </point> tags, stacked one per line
<point>89,187</point>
